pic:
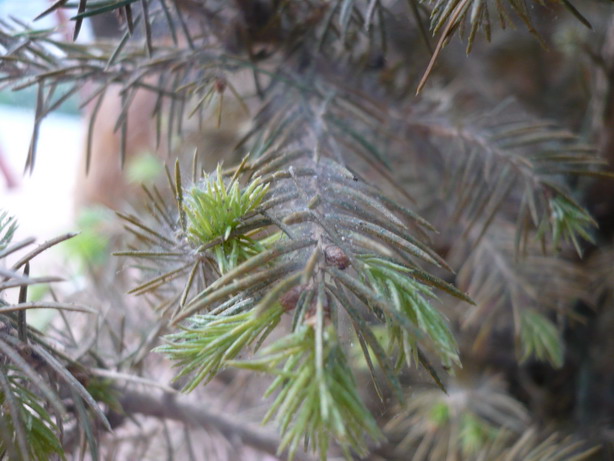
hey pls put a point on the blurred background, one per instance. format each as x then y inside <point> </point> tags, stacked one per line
<point>43,199</point>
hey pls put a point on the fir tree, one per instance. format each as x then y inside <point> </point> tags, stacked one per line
<point>386,247</point>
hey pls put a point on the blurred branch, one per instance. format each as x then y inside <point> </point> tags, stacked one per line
<point>182,409</point>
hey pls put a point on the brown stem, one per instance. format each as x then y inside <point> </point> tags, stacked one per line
<point>179,408</point>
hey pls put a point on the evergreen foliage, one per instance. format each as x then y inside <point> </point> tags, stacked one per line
<point>31,370</point>
<point>350,215</point>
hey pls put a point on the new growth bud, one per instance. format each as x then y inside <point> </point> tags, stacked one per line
<point>334,256</point>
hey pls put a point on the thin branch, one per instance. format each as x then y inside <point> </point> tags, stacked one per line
<point>170,406</point>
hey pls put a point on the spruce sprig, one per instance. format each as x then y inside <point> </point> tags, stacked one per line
<point>539,338</point>
<point>215,208</point>
<point>317,398</point>
<point>27,430</point>
<point>410,298</point>
<point>205,346</point>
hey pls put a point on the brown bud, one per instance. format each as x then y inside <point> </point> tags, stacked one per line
<point>220,84</point>
<point>334,256</point>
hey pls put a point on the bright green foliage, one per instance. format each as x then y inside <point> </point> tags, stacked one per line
<point>26,422</point>
<point>410,299</point>
<point>204,347</point>
<point>540,338</point>
<point>214,209</point>
<point>229,254</point>
<point>318,399</point>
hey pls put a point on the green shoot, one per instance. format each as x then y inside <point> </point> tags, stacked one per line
<point>540,338</point>
<point>318,399</point>
<point>210,341</point>
<point>410,299</point>
<point>215,208</point>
